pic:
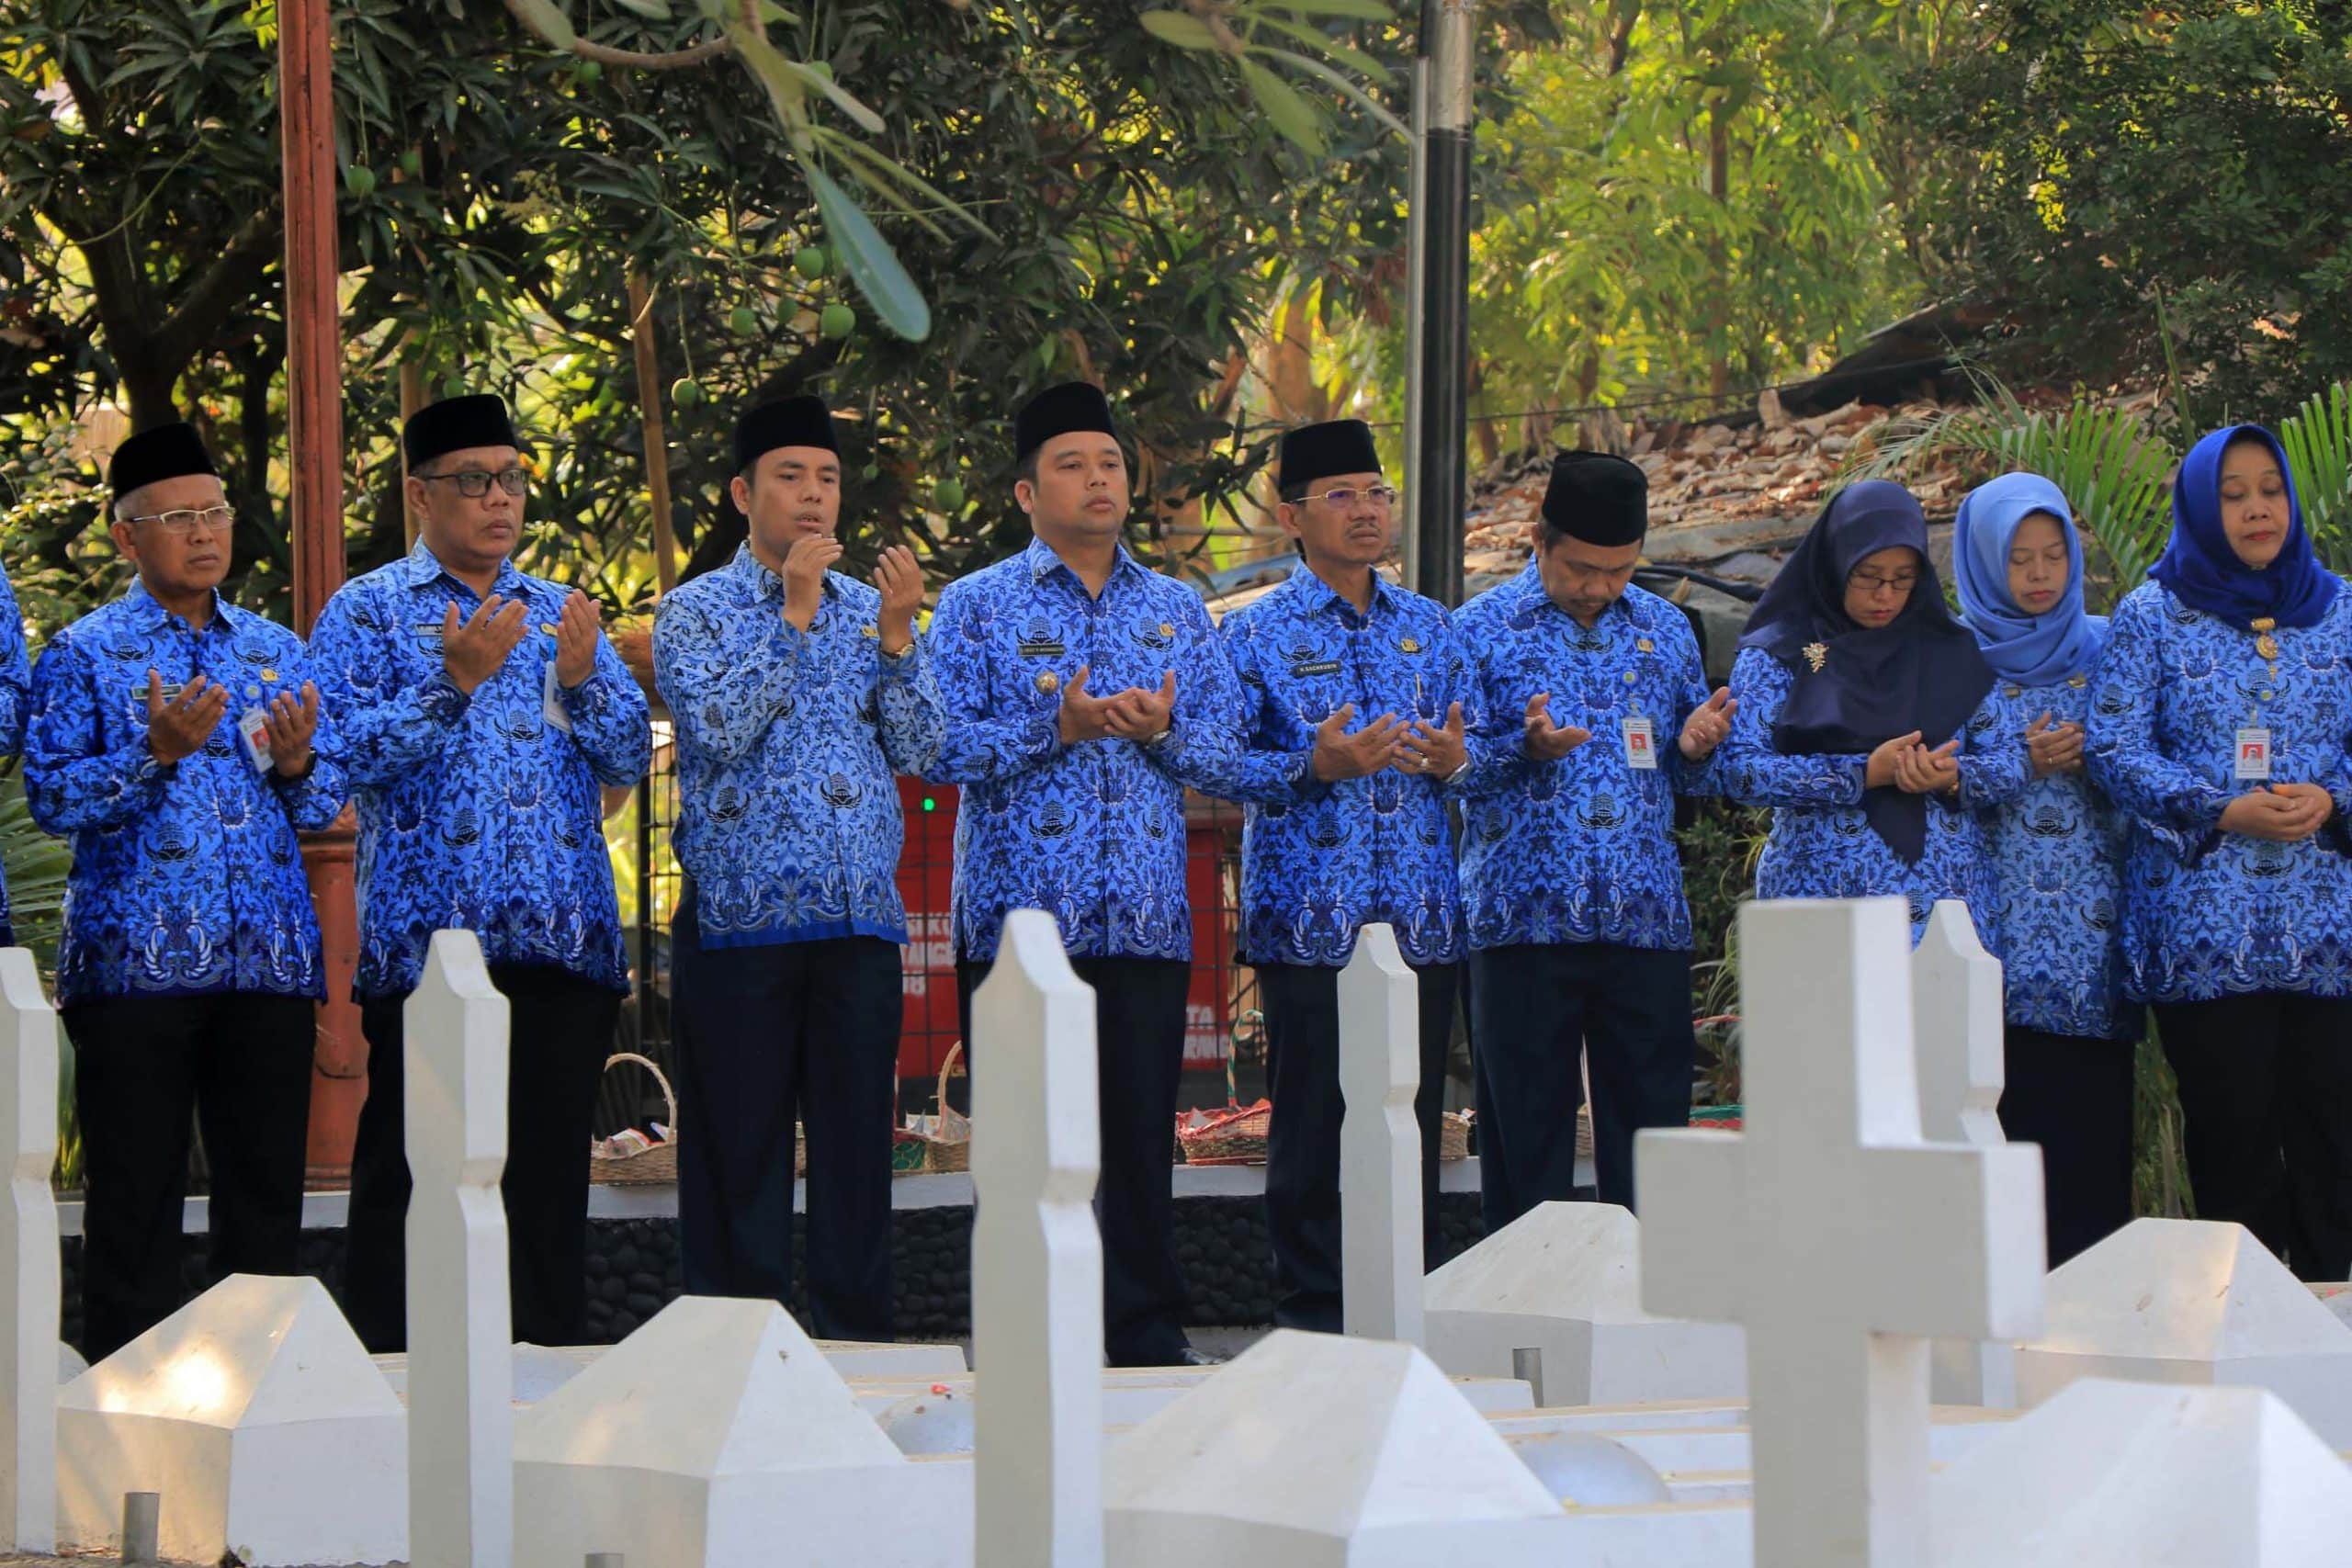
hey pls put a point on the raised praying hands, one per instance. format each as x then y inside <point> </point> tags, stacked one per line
<point>2054,749</point>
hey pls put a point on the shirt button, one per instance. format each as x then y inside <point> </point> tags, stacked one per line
<point>2265,695</point>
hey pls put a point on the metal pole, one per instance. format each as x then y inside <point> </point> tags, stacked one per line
<point>143,1516</point>
<point>1416,269</point>
<point>1441,475</point>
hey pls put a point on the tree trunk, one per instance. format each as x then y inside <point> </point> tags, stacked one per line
<point>1719,188</point>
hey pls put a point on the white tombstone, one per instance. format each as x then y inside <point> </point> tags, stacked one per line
<point>460,1372</point>
<point>1836,1235</point>
<point>1380,1141</point>
<point>1036,1259</point>
<point>255,1412</point>
<point>1957,1027</point>
<point>1566,1279</point>
<point>1315,1450</point>
<point>2133,1476</point>
<point>719,1436</point>
<point>2192,1302</point>
<point>28,1348</point>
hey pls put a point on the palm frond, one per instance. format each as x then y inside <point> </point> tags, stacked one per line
<point>2318,439</point>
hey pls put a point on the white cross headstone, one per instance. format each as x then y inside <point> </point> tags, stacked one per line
<point>1380,1141</point>
<point>28,1237</point>
<point>460,1366</point>
<point>1837,1235</point>
<point>1036,1259</point>
<point>1956,1023</point>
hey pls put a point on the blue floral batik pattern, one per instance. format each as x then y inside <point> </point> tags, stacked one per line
<point>187,878</point>
<point>476,813</point>
<point>1822,846</point>
<point>16,706</point>
<point>1093,833</point>
<point>1321,860</point>
<point>1581,850</point>
<point>2210,914</point>
<point>788,741</point>
<point>2056,857</point>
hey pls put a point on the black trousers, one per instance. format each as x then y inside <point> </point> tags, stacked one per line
<point>805,1030</point>
<point>560,1030</point>
<point>2073,1096</point>
<point>2265,1093</point>
<point>1533,1010</point>
<point>1302,1004</point>
<point>1139,1056</point>
<point>240,1061</point>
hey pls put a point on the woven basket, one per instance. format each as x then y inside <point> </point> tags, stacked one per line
<point>948,1147</point>
<point>647,1166</point>
<point>1236,1136</point>
<point>1453,1135</point>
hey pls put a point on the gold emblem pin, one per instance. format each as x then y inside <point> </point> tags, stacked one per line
<point>1816,654</point>
<point>549,627</point>
<point>1167,630</point>
<point>869,630</point>
<point>2078,682</point>
<point>270,674</point>
<point>1409,645</point>
<point>2263,643</point>
<point>1048,682</point>
<point>1645,645</point>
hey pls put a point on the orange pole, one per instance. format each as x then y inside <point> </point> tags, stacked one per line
<point>314,472</point>
<point>657,450</point>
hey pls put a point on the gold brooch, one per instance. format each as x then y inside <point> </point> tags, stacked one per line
<point>1645,645</point>
<point>869,630</point>
<point>1165,630</point>
<point>270,674</point>
<point>1048,681</point>
<point>2263,643</point>
<point>1816,654</point>
<point>1409,645</point>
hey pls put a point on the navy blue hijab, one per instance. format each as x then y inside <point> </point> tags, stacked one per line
<point>1921,670</point>
<point>2205,573</point>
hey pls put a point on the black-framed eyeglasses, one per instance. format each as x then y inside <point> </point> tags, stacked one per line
<point>210,518</point>
<point>474,483</point>
<point>1345,496</point>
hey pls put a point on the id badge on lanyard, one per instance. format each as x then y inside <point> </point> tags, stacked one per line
<point>2253,754</point>
<point>1640,743</point>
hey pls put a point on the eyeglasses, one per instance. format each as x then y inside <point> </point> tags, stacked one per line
<point>1345,496</point>
<point>1871,582</point>
<point>474,483</point>
<point>210,518</point>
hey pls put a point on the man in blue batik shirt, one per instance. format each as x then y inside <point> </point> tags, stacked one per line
<point>1579,934</point>
<point>1083,693</point>
<point>1356,694</point>
<point>175,740</point>
<point>798,692</point>
<point>482,710</point>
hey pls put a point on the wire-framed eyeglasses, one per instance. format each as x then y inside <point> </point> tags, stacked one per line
<point>1345,496</point>
<point>212,519</point>
<point>474,483</point>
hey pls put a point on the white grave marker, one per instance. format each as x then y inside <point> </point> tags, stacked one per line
<point>1956,1021</point>
<point>1036,1259</point>
<point>28,1349</point>
<point>461,1369</point>
<point>1380,1141</point>
<point>1837,1235</point>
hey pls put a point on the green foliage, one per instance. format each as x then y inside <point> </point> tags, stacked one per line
<point>2143,186</point>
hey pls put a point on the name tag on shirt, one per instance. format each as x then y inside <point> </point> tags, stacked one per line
<point>551,704</point>
<point>2254,753</point>
<point>1316,667</point>
<point>252,728</point>
<point>1640,744</point>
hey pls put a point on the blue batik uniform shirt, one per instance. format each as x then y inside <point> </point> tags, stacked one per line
<point>16,705</point>
<point>476,812</point>
<point>1822,844</point>
<point>788,816</point>
<point>2208,914</point>
<point>187,877</point>
<point>1094,834</point>
<point>1580,850</point>
<point>1320,860</point>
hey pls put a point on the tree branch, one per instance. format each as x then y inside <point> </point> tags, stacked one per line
<point>604,54</point>
<point>206,303</point>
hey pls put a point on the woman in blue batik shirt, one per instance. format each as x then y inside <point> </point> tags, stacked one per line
<point>2220,721</point>
<point>1866,718</point>
<point>2055,862</point>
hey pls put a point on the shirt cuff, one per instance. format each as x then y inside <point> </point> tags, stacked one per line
<point>442,699</point>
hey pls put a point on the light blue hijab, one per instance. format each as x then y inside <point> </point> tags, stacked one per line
<point>2025,649</point>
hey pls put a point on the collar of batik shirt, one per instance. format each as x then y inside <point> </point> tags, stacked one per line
<point>1043,563</point>
<point>148,613</point>
<point>1317,596</point>
<point>424,568</point>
